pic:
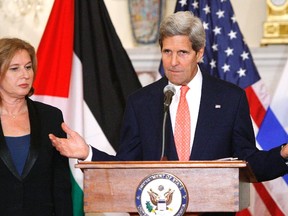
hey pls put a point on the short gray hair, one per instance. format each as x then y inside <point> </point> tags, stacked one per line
<point>183,23</point>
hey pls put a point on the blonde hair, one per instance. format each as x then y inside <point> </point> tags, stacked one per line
<point>8,48</point>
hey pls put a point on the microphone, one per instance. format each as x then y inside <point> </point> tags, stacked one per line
<point>169,92</point>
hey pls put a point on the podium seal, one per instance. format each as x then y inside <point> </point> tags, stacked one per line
<point>161,194</point>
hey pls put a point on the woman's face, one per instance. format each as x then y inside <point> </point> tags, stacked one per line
<point>18,80</point>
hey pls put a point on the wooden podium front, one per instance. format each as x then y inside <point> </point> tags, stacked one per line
<point>213,186</point>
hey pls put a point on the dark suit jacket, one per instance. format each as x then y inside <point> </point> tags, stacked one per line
<point>220,132</point>
<point>44,187</point>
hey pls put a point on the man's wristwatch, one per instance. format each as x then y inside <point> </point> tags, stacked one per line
<point>285,159</point>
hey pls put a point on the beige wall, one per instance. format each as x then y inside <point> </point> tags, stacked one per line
<point>250,14</point>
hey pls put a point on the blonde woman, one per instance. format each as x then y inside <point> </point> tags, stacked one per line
<point>34,177</point>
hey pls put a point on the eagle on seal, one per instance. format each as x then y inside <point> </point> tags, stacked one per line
<point>156,198</point>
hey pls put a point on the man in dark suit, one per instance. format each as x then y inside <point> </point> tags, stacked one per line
<point>220,124</point>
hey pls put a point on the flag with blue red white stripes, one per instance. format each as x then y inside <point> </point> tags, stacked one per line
<point>228,57</point>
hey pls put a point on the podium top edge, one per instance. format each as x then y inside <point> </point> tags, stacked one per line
<point>161,164</point>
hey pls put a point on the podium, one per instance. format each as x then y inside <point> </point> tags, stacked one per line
<point>212,186</point>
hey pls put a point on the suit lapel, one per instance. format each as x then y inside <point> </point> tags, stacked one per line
<point>157,111</point>
<point>35,138</point>
<point>6,156</point>
<point>206,118</point>
<point>33,149</point>
<point>170,143</point>
<point>155,101</point>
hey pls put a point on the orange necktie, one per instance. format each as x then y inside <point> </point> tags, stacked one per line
<point>182,127</point>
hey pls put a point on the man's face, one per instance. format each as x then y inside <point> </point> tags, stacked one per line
<point>179,59</point>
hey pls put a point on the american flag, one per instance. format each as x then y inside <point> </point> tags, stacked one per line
<point>228,57</point>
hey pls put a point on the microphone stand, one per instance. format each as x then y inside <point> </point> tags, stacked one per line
<point>169,91</point>
<point>163,156</point>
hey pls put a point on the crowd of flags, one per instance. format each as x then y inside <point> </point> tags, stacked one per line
<point>85,71</point>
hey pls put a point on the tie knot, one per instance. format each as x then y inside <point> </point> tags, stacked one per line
<point>184,90</point>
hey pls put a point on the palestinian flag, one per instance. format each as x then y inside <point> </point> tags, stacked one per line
<point>84,70</point>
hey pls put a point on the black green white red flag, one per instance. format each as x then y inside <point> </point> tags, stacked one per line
<point>84,70</point>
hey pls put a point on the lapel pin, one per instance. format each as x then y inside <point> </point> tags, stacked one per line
<point>217,106</point>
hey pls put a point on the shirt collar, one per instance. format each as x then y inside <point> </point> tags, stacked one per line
<point>197,79</point>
